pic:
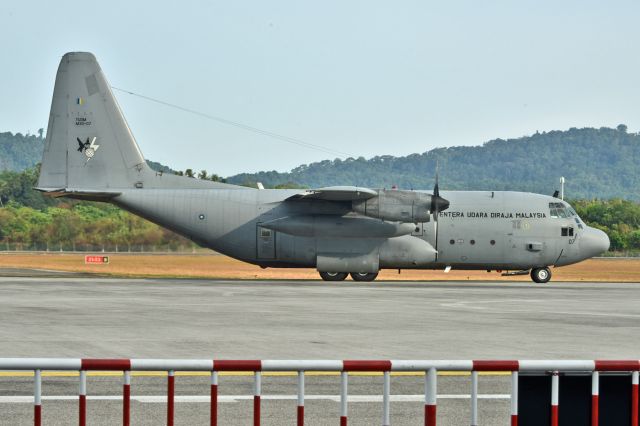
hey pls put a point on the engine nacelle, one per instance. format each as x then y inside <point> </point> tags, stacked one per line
<point>397,206</point>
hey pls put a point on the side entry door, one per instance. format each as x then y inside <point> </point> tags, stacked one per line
<point>266,243</point>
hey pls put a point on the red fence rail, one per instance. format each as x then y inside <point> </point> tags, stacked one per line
<point>430,368</point>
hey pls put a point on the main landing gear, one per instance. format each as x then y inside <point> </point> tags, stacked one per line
<point>341,276</point>
<point>541,275</point>
<point>333,276</point>
<point>364,276</point>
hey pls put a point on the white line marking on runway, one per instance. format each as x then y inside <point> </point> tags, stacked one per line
<point>503,308</point>
<point>239,398</point>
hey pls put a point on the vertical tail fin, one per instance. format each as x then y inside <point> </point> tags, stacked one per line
<point>89,145</point>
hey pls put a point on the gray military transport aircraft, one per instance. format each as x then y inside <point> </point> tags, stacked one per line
<point>91,154</point>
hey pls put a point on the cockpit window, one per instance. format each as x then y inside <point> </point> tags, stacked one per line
<point>560,210</point>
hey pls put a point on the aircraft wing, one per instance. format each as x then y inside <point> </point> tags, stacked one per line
<point>335,193</point>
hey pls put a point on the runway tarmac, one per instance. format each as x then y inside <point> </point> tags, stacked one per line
<point>144,318</point>
<point>72,316</point>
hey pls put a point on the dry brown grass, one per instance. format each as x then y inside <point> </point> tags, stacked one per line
<point>216,266</point>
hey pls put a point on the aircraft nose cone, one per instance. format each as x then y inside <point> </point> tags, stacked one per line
<point>594,242</point>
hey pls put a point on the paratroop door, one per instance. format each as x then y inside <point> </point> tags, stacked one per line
<point>266,242</point>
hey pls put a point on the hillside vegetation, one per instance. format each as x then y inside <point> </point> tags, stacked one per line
<point>601,166</point>
<point>597,163</point>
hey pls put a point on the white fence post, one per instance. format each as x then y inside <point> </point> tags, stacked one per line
<point>555,391</point>
<point>82,399</point>
<point>37,398</point>
<point>474,398</point>
<point>344,378</point>
<point>300,412</point>
<point>431,397</point>
<point>514,398</point>
<point>386,394</point>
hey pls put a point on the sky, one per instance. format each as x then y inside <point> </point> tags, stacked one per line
<point>358,78</point>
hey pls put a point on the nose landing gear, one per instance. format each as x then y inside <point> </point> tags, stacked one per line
<point>541,275</point>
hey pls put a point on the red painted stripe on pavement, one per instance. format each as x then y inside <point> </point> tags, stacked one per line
<point>430,415</point>
<point>106,364</point>
<point>554,415</point>
<point>495,365</point>
<point>237,365</point>
<point>355,365</point>
<point>621,365</point>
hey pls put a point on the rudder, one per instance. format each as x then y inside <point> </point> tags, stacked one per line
<point>89,145</point>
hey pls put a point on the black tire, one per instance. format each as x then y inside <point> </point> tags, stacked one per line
<point>541,275</point>
<point>364,276</point>
<point>333,276</point>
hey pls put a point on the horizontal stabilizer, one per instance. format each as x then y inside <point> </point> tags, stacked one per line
<point>336,193</point>
<point>80,194</point>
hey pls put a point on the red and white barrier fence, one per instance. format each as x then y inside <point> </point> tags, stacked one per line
<point>430,368</point>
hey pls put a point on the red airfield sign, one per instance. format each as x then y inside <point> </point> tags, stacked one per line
<point>96,259</point>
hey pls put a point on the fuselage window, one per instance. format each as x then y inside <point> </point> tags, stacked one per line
<point>472,242</point>
<point>452,242</point>
<point>265,233</point>
<point>566,231</point>
<point>493,242</point>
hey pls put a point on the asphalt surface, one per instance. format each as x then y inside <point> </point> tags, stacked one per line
<point>71,316</point>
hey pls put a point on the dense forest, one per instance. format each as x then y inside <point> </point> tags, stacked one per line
<point>597,163</point>
<point>19,152</point>
<point>603,162</point>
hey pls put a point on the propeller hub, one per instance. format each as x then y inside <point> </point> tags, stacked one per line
<point>438,204</point>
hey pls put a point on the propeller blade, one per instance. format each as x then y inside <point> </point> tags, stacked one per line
<point>438,203</point>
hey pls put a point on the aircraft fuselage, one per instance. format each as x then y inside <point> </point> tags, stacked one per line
<point>479,230</point>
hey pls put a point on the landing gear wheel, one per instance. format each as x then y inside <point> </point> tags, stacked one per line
<point>541,275</point>
<point>364,276</point>
<point>333,276</point>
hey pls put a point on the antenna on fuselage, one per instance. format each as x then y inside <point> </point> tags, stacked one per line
<point>562,188</point>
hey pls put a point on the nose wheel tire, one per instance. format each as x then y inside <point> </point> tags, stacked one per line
<point>541,275</point>
<point>333,276</point>
<point>364,276</point>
